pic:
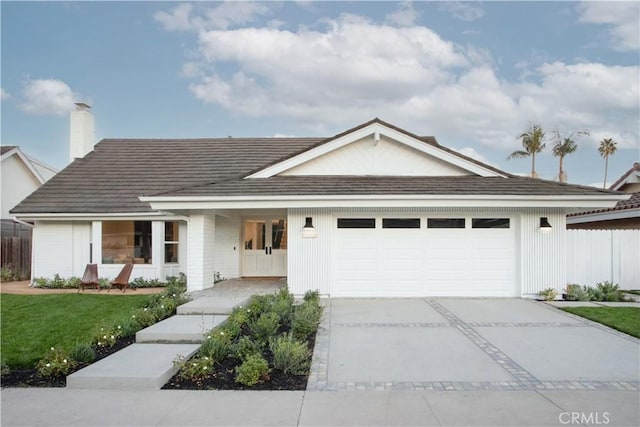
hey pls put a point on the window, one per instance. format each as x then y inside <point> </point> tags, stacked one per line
<point>490,223</point>
<point>356,223</point>
<point>171,230</point>
<point>445,223</point>
<point>126,241</point>
<point>400,222</point>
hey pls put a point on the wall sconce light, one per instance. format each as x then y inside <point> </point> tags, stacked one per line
<point>544,224</point>
<point>308,231</point>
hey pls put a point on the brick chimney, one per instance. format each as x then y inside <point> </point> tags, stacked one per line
<point>82,132</point>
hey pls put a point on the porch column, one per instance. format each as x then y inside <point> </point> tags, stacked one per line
<point>200,243</point>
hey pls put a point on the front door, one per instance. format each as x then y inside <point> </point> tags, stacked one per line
<point>265,247</point>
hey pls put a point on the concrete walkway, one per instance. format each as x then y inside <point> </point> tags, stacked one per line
<point>148,364</point>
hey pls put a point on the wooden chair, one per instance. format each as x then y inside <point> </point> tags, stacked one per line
<point>90,278</point>
<point>122,281</point>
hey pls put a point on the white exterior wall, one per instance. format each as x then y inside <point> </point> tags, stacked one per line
<point>540,261</point>
<point>52,249</point>
<point>309,260</point>
<point>228,246</point>
<point>386,157</point>
<point>201,251</point>
<point>543,253</point>
<point>595,256</point>
<point>17,183</point>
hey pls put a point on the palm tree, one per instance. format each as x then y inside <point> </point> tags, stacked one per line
<point>533,143</point>
<point>607,148</point>
<point>563,146</point>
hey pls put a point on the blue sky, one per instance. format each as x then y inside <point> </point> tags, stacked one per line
<point>474,74</point>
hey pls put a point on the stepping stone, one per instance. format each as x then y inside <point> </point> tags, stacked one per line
<point>212,305</point>
<point>180,329</point>
<point>137,367</point>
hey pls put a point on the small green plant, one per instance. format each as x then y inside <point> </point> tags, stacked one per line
<point>306,318</point>
<point>609,292</point>
<point>239,316</point>
<point>312,296</point>
<point>40,282</point>
<point>82,353</point>
<point>55,363</point>
<point>106,337</point>
<point>577,293</point>
<point>195,369</point>
<point>548,294</point>
<point>265,327</point>
<point>72,283</point>
<point>282,305</point>
<point>9,274</point>
<point>144,316</point>
<point>252,371</point>
<point>217,346</point>
<point>4,369</point>
<point>217,277</point>
<point>290,356</point>
<point>244,348</point>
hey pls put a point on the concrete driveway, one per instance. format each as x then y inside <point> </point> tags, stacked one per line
<point>468,344</point>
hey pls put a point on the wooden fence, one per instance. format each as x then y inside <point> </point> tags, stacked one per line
<point>604,255</point>
<point>15,249</point>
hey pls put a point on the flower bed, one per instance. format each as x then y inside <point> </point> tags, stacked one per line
<point>265,345</point>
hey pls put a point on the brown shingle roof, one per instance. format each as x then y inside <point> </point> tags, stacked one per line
<point>112,177</point>
<point>632,203</point>
<point>385,185</point>
<point>7,148</point>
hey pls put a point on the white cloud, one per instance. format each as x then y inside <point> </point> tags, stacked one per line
<point>46,97</point>
<point>621,18</point>
<point>350,69</point>
<point>465,11</point>
<point>471,152</point>
<point>404,15</point>
<point>185,17</point>
<point>4,94</point>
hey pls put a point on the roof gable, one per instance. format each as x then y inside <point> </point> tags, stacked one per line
<point>632,176</point>
<point>10,151</point>
<point>378,148</point>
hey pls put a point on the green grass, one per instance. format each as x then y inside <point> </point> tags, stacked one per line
<point>31,324</point>
<point>625,319</point>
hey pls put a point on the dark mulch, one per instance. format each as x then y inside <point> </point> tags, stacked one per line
<point>31,378</point>
<point>225,374</point>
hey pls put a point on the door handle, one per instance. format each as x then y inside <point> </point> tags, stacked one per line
<point>266,250</point>
<point>270,250</point>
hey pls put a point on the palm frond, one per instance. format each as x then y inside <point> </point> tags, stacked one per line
<point>519,154</point>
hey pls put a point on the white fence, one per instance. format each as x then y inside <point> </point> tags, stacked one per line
<point>597,255</point>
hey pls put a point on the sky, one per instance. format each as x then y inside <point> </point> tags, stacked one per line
<point>473,74</point>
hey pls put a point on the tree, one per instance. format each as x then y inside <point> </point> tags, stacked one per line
<point>607,148</point>
<point>563,146</point>
<point>533,143</point>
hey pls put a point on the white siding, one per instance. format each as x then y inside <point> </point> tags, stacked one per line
<point>366,157</point>
<point>543,253</point>
<point>201,253</point>
<point>595,256</point>
<point>17,183</point>
<point>309,260</point>
<point>52,249</point>
<point>227,246</point>
<point>81,246</point>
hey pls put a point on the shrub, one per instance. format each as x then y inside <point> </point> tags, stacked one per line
<point>257,305</point>
<point>282,305</point>
<point>9,274</point>
<point>106,337</point>
<point>55,363</point>
<point>232,330</point>
<point>312,296</point>
<point>607,291</point>
<point>72,282</point>
<point>198,368</point>
<point>83,353</point>
<point>265,327</point>
<point>244,348</point>
<point>252,371</point>
<point>145,317</point>
<point>216,347</point>
<point>239,316</point>
<point>289,355</point>
<point>129,327</point>
<point>40,282</point>
<point>305,320</point>
<point>577,293</point>
<point>548,294</point>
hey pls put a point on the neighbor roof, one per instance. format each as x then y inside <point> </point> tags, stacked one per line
<point>6,148</point>
<point>113,177</point>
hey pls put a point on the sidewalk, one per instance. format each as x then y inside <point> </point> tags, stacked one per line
<point>65,407</point>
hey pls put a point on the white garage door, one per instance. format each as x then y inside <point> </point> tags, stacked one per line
<point>387,256</point>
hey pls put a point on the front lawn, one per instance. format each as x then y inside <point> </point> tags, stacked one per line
<point>32,324</point>
<point>625,319</point>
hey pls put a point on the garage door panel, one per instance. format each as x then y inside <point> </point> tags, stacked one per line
<point>424,262</point>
